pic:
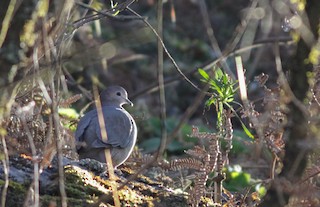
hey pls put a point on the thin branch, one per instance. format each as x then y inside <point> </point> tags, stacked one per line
<point>161,82</point>
<point>211,36</point>
<point>87,9</point>
<point>244,97</point>
<point>240,29</point>
<point>56,121</point>
<point>6,21</point>
<point>284,83</point>
<point>84,91</point>
<point>58,138</point>
<point>259,43</point>
<point>34,187</point>
<point>104,136</point>
<point>101,14</point>
<point>166,51</point>
<point>6,171</point>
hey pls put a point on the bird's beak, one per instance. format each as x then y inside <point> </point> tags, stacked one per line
<point>129,102</point>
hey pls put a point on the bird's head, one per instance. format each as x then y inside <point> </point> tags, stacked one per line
<point>114,96</point>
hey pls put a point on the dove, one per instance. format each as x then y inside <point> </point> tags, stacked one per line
<point>120,127</point>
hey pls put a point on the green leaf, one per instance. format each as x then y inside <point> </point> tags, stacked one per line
<point>236,179</point>
<point>217,73</point>
<point>68,112</point>
<point>204,74</point>
<point>116,13</point>
<point>210,101</point>
<point>225,78</point>
<point>261,190</point>
<point>230,99</point>
<point>246,130</point>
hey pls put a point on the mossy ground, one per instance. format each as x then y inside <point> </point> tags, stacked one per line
<point>16,193</point>
<point>84,187</point>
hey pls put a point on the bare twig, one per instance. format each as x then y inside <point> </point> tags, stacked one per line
<point>84,91</point>
<point>105,13</point>
<point>259,43</point>
<point>6,171</point>
<point>58,139</point>
<point>56,52</point>
<point>244,97</point>
<point>161,83</point>
<point>211,36</point>
<point>166,50</point>
<point>34,187</point>
<point>104,136</point>
<point>240,29</point>
<point>284,83</point>
<point>6,21</point>
<point>87,9</point>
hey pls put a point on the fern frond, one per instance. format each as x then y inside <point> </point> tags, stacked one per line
<point>184,163</point>
<point>67,102</point>
<point>199,188</point>
<point>197,152</point>
<point>202,135</point>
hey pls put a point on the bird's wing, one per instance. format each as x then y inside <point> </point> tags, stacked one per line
<point>83,124</point>
<point>119,125</point>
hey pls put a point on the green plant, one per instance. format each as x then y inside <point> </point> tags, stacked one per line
<point>223,90</point>
<point>239,180</point>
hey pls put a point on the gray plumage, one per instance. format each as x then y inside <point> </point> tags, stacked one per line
<point>120,127</point>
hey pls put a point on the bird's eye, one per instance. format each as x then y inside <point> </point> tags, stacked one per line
<point>118,94</point>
